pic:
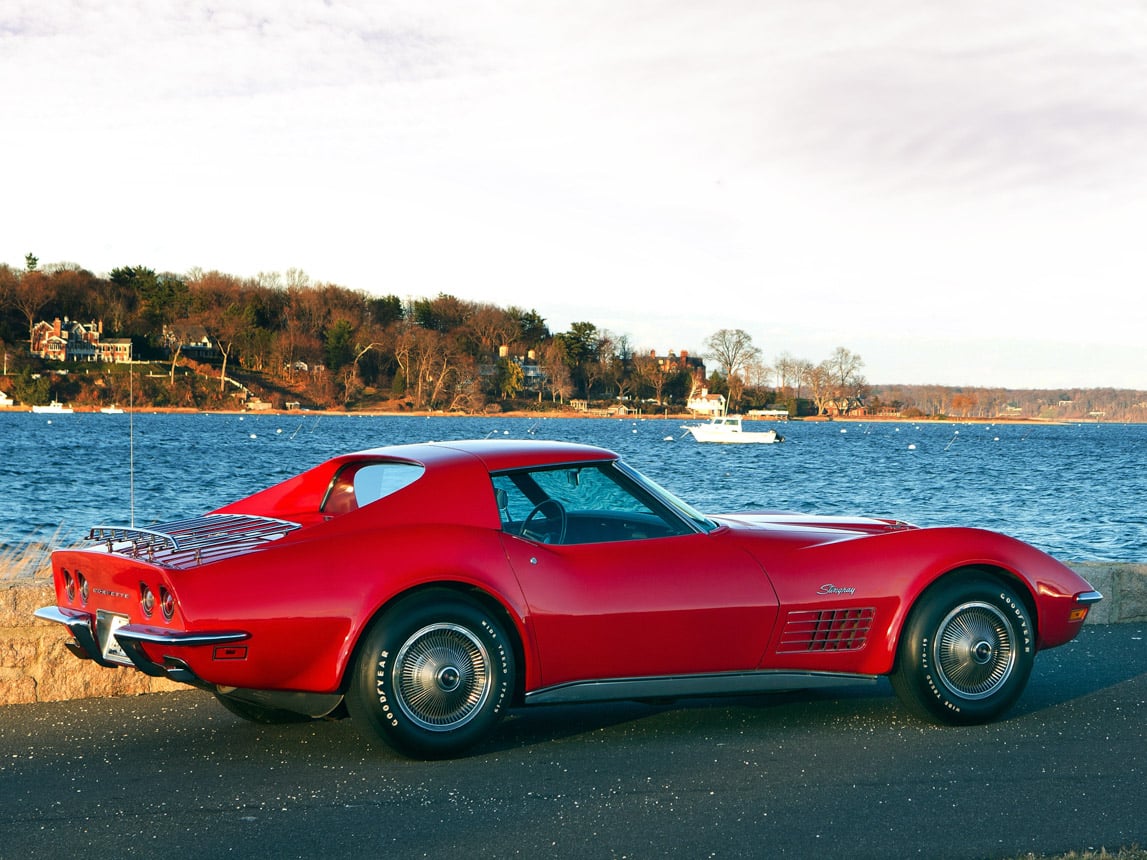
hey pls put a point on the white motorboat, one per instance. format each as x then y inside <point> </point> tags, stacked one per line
<point>53,408</point>
<point>111,410</point>
<point>729,429</point>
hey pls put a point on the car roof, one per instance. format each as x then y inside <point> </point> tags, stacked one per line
<point>496,454</point>
<point>453,472</point>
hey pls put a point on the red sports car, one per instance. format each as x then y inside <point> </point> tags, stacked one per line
<point>432,587</point>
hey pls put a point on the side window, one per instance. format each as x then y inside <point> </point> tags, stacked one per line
<point>587,489</point>
<point>513,504</point>
<point>579,504</point>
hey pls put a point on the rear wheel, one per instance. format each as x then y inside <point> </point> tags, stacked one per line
<point>966,652</point>
<point>433,676</point>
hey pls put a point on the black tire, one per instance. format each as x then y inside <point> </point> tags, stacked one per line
<point>262,714</point>
<point>433,676</point>
<point>966,652</point>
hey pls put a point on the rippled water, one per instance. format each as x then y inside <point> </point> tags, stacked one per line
<point>1076,491</point>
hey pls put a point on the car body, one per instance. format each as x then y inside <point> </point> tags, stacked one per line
<point>431,587</point>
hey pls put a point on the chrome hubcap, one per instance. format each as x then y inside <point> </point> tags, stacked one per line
<point>975,650</point>
<point>442,677</point>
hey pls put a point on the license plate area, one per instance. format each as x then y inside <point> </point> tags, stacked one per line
<point>108,623</point>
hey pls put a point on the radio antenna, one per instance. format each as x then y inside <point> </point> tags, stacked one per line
<point>131,434</point>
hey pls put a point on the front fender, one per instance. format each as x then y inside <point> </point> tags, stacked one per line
<point>889,572</point>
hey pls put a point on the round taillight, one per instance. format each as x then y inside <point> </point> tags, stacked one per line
<point>166,603</point>
<point>146,599</point>
<point>83,586</point>
<point>69,586</point>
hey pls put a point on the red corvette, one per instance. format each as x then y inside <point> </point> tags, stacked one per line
<point>431,587</point>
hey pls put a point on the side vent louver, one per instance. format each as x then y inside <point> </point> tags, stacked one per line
<point>826,630</point>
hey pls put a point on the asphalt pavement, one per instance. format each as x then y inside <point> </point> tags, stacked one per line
<point>825,774</point>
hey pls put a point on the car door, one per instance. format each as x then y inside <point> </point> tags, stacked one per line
<point>628,591</point>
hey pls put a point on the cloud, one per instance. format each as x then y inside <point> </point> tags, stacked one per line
<point>842,171</point>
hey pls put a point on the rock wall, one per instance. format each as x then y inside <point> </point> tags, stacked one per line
<point>36,667</point>
<point>1124,590</point>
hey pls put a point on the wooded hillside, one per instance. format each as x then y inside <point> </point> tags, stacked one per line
<point>285,339</point>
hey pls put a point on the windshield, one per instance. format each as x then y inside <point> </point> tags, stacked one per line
<point>686,511</point>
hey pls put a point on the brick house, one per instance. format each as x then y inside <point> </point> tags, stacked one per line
<point>67,340</point>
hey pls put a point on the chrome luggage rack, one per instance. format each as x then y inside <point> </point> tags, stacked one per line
<point>192,541</point>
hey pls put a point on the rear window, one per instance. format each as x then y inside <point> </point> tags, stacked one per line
<point>377,480</point>
<point>359,484</point>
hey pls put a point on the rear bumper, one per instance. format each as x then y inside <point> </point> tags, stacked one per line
<point>131,639</point>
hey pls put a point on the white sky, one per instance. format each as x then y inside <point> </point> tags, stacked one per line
<point>955,191</point>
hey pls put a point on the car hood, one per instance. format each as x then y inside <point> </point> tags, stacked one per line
<point>810,528</point>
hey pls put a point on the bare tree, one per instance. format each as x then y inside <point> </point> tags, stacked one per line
<point>493,327</point>
<point>552,363</point>
<point>350,376</point>
<point>29,294</point>
<point>964,403</point>
<point>175,360</point>
<point>8,279</point>
<point>849,383</point>
<point>602,368</point>
<point>615,355</point>
<point>757,375</point>
<point>651,372</point>
<point>426,364</point>
<point>802,369</point>
<point>734,350</point>
<point>819,379</point>
<point>844,366</point>
<point>269,280</point>
<point>788,371</point>
<point>467,394</point>
<point>297,279</point>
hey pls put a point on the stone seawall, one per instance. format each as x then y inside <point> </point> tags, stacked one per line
<point>36,667</point>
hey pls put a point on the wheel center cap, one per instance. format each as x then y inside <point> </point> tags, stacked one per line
<point>449,678</point>
<point>982,652</point>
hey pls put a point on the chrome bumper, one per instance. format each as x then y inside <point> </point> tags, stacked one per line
<point>131,639</point>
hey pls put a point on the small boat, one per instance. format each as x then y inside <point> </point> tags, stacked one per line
<point>729,429</point>
<point>53,408</point>
<point>111,410</point>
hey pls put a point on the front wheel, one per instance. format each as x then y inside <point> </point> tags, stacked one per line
<point>966,652</point>
<point>434,675</point>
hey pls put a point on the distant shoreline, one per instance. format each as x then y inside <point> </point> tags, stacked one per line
<point>558,413</point>
<point>570,414</point>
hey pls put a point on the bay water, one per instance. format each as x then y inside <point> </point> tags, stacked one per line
<point>1077,491</point>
